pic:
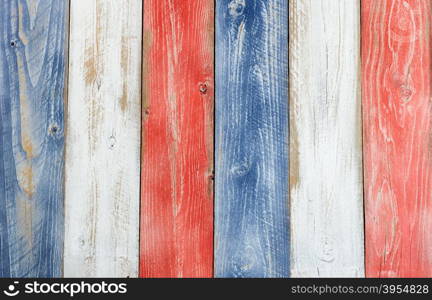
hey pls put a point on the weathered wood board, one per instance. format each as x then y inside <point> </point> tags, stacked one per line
<point>326,191</point>
<point>397,118</point>
<point>177,154</point>
<point>103,139</point>
<point>251,156</point>
<point>33,52</point>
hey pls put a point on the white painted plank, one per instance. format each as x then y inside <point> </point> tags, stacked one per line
<point>103,139</point>
<point>325,138</point>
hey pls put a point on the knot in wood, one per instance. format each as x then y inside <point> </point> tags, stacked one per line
<point>240,169</point>
<point>236,7</point>
<point>53,129</point>
<point>203,88</point>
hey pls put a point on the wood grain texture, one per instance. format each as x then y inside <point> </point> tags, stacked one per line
<point>32,72</point>
<point>177,155</point>
<point>396,67</point>
<point>251,226</point>
<point>326,191</point>
<point>103,139</point>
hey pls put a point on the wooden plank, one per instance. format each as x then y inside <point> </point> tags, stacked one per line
<point>326,192</point>
<point>32,72</point>
<point>251,226</point>
<point>396,67</point>
<point>177,155</point>
<point>103,141</point>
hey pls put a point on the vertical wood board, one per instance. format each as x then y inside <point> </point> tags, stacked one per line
<point>396,63</point>
<point>325,139</point>
<point>251,158</point>
<point>32,73</point>
<point>177,155</point>
<point>103,139</point>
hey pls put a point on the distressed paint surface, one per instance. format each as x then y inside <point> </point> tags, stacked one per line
<point>32,71</point>
<point>396,64</point>
<point>325,142</point>
<point>176,185</point>
<point>251,226</point>
<point>103,139</point>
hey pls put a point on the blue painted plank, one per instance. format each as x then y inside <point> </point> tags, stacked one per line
<point>33,39</point>
<point>251,157</point>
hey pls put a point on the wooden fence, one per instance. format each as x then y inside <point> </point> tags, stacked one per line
<point>215,138</point>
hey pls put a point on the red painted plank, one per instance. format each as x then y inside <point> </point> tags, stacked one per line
<point>396,61</point>
<point>177,156</point>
